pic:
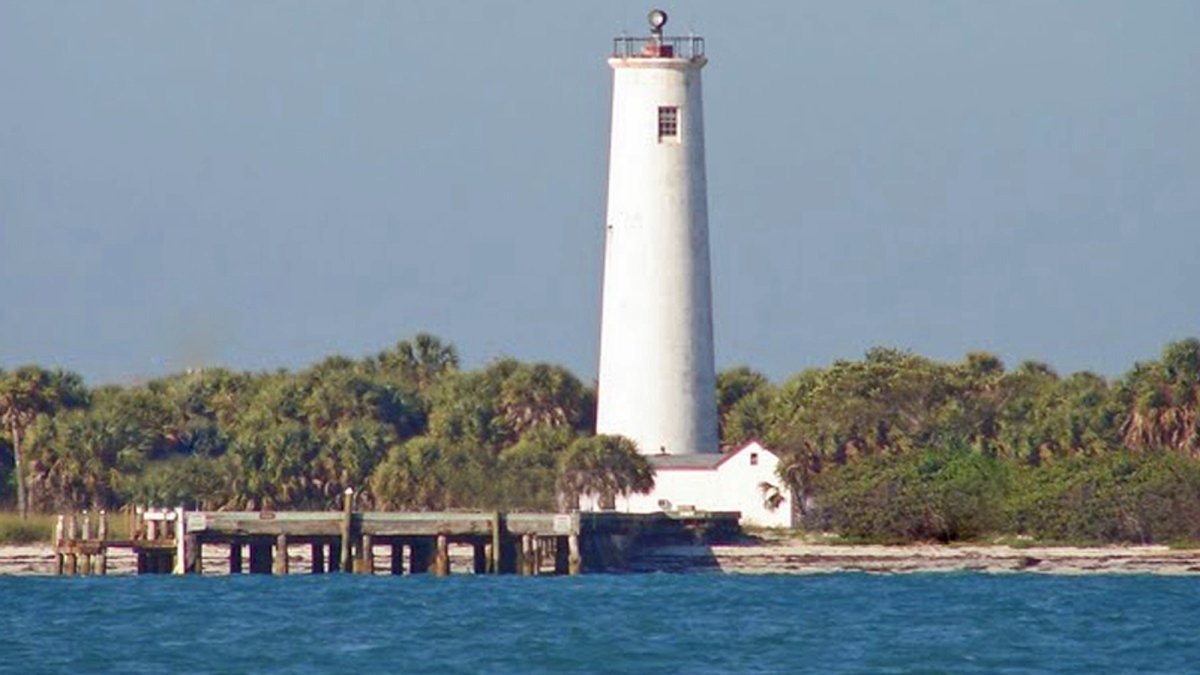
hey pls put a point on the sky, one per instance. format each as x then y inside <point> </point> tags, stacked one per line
<point>260,184</point>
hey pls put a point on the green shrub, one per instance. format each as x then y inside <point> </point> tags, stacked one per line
<point>38,528</point>
<point>937,494</point>
<point>1114,497</point>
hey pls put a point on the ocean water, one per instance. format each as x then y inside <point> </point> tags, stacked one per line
<point>652,623</point>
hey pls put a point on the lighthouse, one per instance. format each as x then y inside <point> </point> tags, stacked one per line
<point>657,378</point>
<point>657,383</point>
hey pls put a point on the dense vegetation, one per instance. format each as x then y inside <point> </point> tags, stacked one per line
<point>892,446</point>
<point>406,428</point>
<point>900,447</point>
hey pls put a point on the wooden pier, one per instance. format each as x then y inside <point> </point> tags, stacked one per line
<point>171,541</point>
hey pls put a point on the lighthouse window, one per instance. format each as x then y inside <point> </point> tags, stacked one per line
<point>668,122</point>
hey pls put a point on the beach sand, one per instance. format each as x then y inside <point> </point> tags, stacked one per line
<point>778,556</point>
<point>793,556</point>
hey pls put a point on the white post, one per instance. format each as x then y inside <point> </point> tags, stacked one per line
<point>180,542</point>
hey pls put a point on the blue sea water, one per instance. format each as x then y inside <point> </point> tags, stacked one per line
<point>696,623</point>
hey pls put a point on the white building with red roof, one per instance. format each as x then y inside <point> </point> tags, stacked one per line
<point>742,480</point>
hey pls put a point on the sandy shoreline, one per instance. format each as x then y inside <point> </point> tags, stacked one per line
<point>788,556</point>
<point>797,557</point>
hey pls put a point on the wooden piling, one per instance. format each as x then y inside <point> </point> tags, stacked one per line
<point>365,564</point>
<point>347,524</point>
<point>420,555</point>
<point>441,560</point>
<point>281,555</point>
<point>194,551</point>
<point>525,561</point>
<point>101,564</point>
<point>480,562</point>
<point>335,558</point>
<point>72,560</point>
<point>397,558</point>
<point>318,558</point>
<point>180,561</point>
<point>235,557</point>
<point>59,535</point>
<point>85,562</point>
<point>510,547</point>
<point>574,559</point>
<point>497,544</point>
<point>261,560</point>
<point>562,556</point>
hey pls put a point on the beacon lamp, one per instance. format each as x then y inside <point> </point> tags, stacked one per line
<point>658,19</point>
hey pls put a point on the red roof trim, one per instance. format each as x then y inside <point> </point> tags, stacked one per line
<point>724,458</point>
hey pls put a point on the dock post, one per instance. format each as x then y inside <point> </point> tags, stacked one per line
<point>318,558</point>
<point>521,554</point>
<point>347,522</point>
<point>366,556</point>
<point>574,560</point>
<point>71,559</point>
<point>335,558</point>
<point>235,557</point>
<point>420,555</point>
<point>86,566</point>
<point>102,554</point>
<point>281,555</point>
<point>397,558</point>
<point>195,554</point>
<point>260,557</point>
<point>497,545</point>
<point>59,533</point>
<point>509,555</point>
<point>562,558</point>
<point>181,552</point>
<point>480,551</point>
<point>441,559</point>
<point>529,555</point>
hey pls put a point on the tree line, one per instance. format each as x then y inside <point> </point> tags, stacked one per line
<point>406,428</point>
<point>896,446</point>
<point>890,446</point>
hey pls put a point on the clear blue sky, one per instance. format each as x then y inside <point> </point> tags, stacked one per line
<point>259,184</point>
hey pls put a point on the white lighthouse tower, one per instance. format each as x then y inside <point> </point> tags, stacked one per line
<point>657,381</point>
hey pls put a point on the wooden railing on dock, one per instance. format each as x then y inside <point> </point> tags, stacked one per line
<point>172,540</point>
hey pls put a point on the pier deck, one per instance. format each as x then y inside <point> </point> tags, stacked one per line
<point>172,540</point>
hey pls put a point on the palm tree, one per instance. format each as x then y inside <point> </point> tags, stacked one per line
<point>25,394</point>
<point>1164,400</point>
<point>606,466</point>
<point>541,395</point>
<point>421,361</point>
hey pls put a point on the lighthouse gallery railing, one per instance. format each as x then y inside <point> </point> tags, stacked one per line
<point>658,47</point>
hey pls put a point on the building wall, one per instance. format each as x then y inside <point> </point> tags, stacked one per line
<point>732,486</point>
